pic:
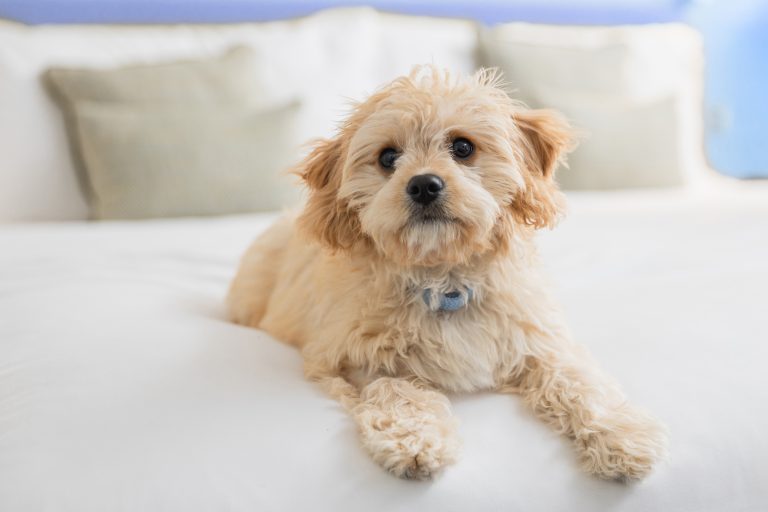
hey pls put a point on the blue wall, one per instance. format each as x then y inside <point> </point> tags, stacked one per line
<point>736,42</point>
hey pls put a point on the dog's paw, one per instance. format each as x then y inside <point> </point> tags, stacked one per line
<point>412,455</point>
<point>409,431</point>
<point>625,445</point>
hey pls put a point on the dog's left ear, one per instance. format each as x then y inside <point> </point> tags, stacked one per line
<point>546,138</point>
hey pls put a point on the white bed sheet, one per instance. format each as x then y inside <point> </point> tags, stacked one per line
<point>122,387</point>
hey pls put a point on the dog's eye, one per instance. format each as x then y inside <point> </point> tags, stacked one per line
<point>462,148</point>
<point>387,158</point>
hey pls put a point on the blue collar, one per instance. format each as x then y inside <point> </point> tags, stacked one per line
<point>450,301</point>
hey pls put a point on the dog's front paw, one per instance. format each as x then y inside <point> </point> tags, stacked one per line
<point>417,455</point>
<point>409,431</point>
<point>624,445</point>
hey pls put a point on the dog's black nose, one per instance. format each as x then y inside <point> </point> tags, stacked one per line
<point>425,188</point>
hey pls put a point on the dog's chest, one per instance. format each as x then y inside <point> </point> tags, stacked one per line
<point>467,344</point>
<point>461,358</point>
<point>458,350</point>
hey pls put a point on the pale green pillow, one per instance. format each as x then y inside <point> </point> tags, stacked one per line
<point>150,161</point>
<point>191,137</point>
<point>230,78</point>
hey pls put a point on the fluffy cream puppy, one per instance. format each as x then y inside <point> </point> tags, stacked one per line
<point>411,271</point>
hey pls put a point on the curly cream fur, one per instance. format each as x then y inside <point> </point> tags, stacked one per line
<point>343,280</point>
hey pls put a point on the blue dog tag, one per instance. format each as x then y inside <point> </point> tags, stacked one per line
<point>450,301</point>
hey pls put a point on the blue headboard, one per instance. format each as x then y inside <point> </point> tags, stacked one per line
<point>218,11</point>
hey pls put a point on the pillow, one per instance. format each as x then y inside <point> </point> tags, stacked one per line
<point>169,161</point>
<point>628,144</point>
<point>182,132</point>
<point>634,92</point>
<point>229,78</point>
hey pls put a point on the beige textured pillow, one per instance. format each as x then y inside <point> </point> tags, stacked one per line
<point>177,138</point>
<point>634,92</point>
<point>233,77</point>
<point>188,160</point>
<point>626,144</point>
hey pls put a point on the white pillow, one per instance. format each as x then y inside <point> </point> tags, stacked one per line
<point>635,92</point>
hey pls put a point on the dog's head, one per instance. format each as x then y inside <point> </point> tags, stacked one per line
<point>432,170</point>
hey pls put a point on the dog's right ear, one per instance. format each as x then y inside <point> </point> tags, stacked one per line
<point>326,217</point>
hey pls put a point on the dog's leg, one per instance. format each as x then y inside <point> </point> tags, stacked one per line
<point>614,440</point>
<point>406,427</point>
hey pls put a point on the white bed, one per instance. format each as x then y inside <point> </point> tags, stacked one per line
<point>122,387</point>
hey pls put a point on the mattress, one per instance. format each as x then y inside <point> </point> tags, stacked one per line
<point>123,387</point>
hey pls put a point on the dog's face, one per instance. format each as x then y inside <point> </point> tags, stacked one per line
<point>431,171</point>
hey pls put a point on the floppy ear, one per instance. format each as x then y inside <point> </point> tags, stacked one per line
<point>325,217</point>
<point>546,137</point>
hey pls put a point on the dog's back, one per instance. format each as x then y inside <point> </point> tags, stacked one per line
<point>259,271</point>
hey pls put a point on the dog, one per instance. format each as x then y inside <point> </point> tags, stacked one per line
<point>411,272</point>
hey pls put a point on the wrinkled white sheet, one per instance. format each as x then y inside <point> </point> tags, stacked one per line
<point>122,387</point>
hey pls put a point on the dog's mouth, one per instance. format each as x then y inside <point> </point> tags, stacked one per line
<point>432,220</point>
<point>432,215</point>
